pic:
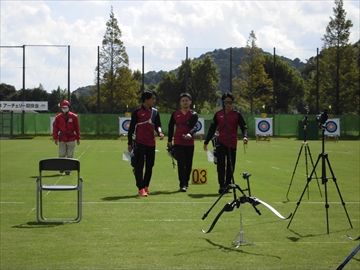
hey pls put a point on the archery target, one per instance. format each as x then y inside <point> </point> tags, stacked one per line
<point>264,126</point>
<point>332,127</point>
<point>124,125</point>
<point>200,126</point>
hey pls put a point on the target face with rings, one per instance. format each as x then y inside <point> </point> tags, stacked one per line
<point>125,125</point>
<point>331,126</point>
<point>263,126</point>
<point>199,126</point>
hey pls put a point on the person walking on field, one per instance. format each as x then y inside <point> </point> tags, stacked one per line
<point>185,121</point>
<point>141,140</point>
<point>66,130</point>
<point>227,140</point>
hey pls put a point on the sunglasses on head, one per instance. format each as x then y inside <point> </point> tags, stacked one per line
<point>228,102</point>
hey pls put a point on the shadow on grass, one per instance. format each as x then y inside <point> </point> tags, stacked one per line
<point>37,225</point>
<point>46,176</point>
<point>295,239</point>
<point>199,196</point>
<point>153,193</point>
<point>232,249</point>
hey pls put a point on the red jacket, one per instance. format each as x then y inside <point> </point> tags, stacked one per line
<point>66,130</point>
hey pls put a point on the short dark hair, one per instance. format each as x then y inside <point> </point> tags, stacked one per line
<point>147,95</point>
<point>227,94</point>
<point>185,95</point>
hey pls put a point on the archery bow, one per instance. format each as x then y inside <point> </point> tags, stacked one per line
<point>253,201</point>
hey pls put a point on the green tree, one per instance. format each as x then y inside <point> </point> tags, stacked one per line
<point>168,91</point>
<point>117,85</point>
<point>6,91</point>
<point>289,85</point>
<point>203,79</point>
<point>253,85</point>
<point>338,71</point>
<point>55,98</point>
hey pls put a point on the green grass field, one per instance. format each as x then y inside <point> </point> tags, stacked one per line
<point>120,230</point>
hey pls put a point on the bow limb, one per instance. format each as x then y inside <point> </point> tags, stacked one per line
<point>214,222</point>
<point>271,209</point>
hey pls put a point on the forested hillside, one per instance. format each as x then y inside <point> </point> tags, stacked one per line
<point>221,58</point>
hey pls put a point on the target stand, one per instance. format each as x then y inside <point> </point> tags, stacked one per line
<point>334,137</point>
<point>332,129</point>
<point>265,137</point>
<point>124,124</point>
<point>263,128</point>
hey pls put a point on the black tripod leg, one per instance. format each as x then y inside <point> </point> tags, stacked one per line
<point>326,207</point>
<point>297,161</point>
<point>337,187</point>
<point>218,199</point>
<point>307,168</point>
<point>306,186</point>
<point>317,180</point>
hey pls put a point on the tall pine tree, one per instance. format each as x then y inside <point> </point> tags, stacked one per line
<point>253,85</point>
<point>118,87</point>
<point>338,71</point>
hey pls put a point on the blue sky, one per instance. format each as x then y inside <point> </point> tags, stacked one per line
<point>164,28</point>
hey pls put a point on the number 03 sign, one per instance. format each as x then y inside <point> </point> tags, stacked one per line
<point>199,176</point>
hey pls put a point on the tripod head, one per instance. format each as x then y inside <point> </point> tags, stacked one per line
<point>321,118</point>
<point>305,121</point>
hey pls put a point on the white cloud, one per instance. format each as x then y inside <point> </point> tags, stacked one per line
<point>164,28</point>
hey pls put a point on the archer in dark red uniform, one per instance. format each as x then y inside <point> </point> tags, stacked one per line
<point>185,121</point>
<point>141,140</point>
<point>227,139</point>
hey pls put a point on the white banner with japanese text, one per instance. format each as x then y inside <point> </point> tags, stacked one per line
<point>23,105</point>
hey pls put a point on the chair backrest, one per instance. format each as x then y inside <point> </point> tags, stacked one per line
<point>59,164</point>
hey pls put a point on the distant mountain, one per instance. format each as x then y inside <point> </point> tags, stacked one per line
<point>85,91</point>
<point>222,60</point>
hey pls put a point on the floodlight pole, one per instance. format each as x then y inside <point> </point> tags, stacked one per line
<point>23,96</point>
<point>143,75</point>
<point>69,96</point>
<point>187,71</point>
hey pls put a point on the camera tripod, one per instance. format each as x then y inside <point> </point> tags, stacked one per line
<point>324,161</point>
<point>307,150</point>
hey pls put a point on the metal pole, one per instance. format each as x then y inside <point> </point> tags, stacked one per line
<point>142,77</point>
<point>98,79</point>
<point>230,87</point>
<point>187,72</point>
<point>317,80</point>
<point>69,98</point>
<point>274,92</point>
<point>23,96</point>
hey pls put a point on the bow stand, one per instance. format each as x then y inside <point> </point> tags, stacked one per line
<point>237,201</point>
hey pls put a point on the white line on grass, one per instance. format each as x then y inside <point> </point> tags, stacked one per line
<point>171,202</point>
<point>58,179</point>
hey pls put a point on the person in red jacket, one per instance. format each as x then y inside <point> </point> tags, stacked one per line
<point>66,130</point>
